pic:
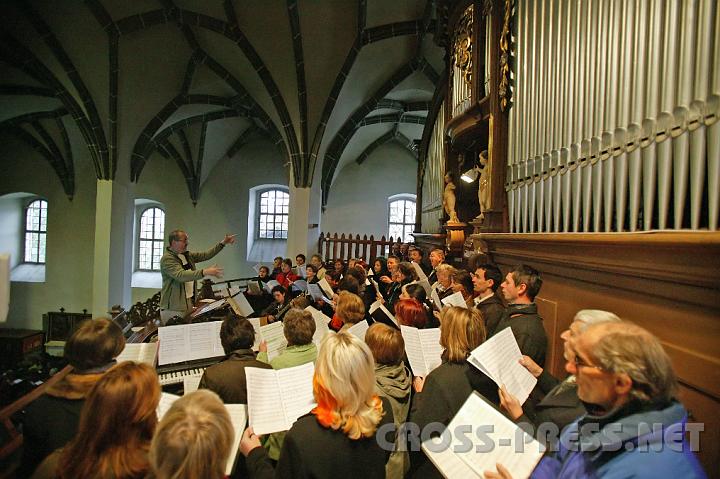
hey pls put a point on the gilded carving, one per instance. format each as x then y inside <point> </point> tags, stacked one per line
<point>462,45</point>
<point>504,87</point>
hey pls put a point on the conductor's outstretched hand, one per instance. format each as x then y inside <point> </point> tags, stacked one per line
<point>229,239</point>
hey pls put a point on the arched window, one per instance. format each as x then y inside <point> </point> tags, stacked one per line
<point>35,231</point>
<point>401,217</point>
<point>273,214</point>
<point>150,241</point>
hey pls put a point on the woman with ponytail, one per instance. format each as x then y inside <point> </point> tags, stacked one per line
<point>337,438</point>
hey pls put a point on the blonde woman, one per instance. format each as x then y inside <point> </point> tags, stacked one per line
<point>441,394</point>
<point>336,439</point>
<point>350,310</point>
<point>194,439</point>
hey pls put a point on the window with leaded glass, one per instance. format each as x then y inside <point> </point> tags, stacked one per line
<point>401,219</point>
<point>35,231</point>
<point>151,240</point>
<point>273,214</point>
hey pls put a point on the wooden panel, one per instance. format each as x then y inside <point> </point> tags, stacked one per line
<point>668,283</point>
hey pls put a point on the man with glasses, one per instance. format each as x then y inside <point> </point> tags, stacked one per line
<point>177,267</point>
<point>634,426</point>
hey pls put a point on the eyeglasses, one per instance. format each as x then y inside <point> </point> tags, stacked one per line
<point>580,363</point>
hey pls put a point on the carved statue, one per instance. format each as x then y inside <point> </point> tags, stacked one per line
<point>449,199</point>
<point>484,184</point>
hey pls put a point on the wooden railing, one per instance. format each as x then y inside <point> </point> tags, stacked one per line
<point>344,248</point>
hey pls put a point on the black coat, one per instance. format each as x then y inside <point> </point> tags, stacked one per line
<point>527,326</point>
<point>492,310</point>
<point>445,391</point>
<point>313,451</point>
<point>227,378</point>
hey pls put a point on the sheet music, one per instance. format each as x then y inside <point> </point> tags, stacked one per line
<point>229,292</point>
<point>421,274</point>
<point>187,342</point>
<point>301,271</point>
<point>191,383</point>
<point>172,340</point>
<point>423,349</point>
<point>208,307</point>
<point>326,287</point>
<point>370,272</point>
<point>498,358</point>
<point>238,418</point>
<point>274,335</point>
<point>378,305</point>
<point>270,285</point>
<point>300,285</point>
<point>359,329</point>
<point>256,326</point>
<point>315,291</point>
<point>510,445</point>
<point>254,288</point>
<point>166,400</point>
<point>140,353</point>
<point>321,325</point>
<point>426,286</point>
<point>446,461</point>
<point>455,299</point>
<point>277,398</point>
<point>240,305</point>
<point>436,299</point>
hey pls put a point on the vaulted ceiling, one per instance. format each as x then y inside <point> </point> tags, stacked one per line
<point>327,81</point>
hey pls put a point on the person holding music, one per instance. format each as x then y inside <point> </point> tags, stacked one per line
<point>179,276</point>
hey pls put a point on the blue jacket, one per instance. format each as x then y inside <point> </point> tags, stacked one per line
<point>649,444</point>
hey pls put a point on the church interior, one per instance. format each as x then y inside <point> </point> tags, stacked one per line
<point>588,131</point>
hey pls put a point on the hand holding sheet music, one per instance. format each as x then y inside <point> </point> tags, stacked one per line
<point>238,418</point>
<point>423,349</point>
<point>499,358</point>
<point>321,325</point>
<point>274,335</point>
<point>470,454</point>
<point>455,299</point>
<point>276,398</point>
<point>380,313</point>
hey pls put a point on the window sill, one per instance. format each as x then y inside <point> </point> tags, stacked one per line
<point>28,273</point>
<point>146,279</point>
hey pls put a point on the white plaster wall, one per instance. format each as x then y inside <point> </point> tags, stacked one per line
<point>69,270</point>
<point>222,205</point>
<point>357,203</point>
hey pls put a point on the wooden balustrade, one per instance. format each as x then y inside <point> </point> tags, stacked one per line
<point>346,247</point>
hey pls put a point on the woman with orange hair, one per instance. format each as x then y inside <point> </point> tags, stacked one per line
<point>410,312</point>
<point>117,423</point>
<point>337,438</point>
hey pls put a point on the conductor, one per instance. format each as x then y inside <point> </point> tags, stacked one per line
<point>177,268</point>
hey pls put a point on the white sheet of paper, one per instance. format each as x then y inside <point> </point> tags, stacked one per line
<point>301,271</point>
<point>315,291</point>
<point>256,326</point>
<point>321,325</point>
<point>238,418</point>
<point>426,286</point>
<point>300,285</point>
<point>254,288</point>
<point>240,305</point>
<point>274,335</point>
<point>435,297</point>
<point>276,398</point>
<point>270,285</point>
<point>326,287</point>
<point>140,353</point>
<point>187,342</point>
<point>4,286</point>
<point>511,446</point>
<point>455,299</point>
<point>423,349</point>
<point>166,400</point>
<point>378,305</point>
<point>421,274</point>
<point>191,383</point>
<point>498,358</point>
<point>359,329</point>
